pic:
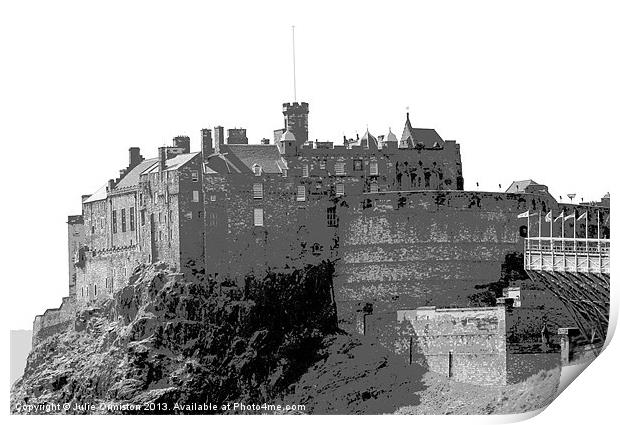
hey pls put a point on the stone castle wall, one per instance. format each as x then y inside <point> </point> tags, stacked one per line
<point>53,320</point>
<point>102,272</point>
<point>403,250</point>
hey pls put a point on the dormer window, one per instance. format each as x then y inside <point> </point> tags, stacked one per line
<point>257,170</point>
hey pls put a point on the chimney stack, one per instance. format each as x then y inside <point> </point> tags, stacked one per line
<point>111,185</point>
<point>264,141</point>
<point>207,143</point>
<point>134,157</point>
<point>182,142</point>
<point>237,136</point>
<point>218,138</point>
<point>161,160</point>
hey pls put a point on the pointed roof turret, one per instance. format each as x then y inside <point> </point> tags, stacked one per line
<point>369,141</point>
<point>391,137</point>
<point>406,140</point>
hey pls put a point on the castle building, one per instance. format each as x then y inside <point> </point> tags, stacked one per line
<point>392,212</point>
<point>412,248</point>
<point>151,212</point>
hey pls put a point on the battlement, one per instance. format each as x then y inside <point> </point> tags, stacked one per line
<point>295,106</point>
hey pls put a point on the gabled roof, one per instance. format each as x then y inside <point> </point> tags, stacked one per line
<point>242,158</point>
<point>426,137</point>
<point>521,186</point>
<point>99,195</point>
<point>171,164</point>
<point>133,176</point>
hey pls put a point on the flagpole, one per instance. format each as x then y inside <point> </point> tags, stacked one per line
<point>562,230</point>
<point>528,225</point>
<point>539,229</point>
<point>598,228</point>
<point>551,239</point>
<point>575,231</point>
<point>575,238</point>
<point>587,247</point>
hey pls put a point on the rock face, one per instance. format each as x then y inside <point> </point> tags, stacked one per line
<point>166,339</point>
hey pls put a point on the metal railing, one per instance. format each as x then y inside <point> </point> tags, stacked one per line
<point>567,254</point>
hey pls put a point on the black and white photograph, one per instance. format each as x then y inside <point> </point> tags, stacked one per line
<point>309,208</point>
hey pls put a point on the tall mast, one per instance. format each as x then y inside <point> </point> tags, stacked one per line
<point>294,70</point>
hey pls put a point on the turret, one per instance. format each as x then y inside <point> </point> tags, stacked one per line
<point>296,121</point>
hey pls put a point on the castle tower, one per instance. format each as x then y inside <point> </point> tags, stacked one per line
<point>296,121</point>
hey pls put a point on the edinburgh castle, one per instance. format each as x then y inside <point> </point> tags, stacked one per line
<point>413,250</point>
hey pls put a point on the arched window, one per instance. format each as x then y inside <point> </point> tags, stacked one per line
<point>257,169</point>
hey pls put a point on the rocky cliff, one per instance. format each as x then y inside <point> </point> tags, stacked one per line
<point>164,341</point>
<point>167,339</point>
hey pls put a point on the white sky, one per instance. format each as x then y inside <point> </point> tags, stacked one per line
<point>529,90</point>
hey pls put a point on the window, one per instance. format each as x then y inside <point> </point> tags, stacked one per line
<point>188,215</point>
<point>101,222</point>
<point>155,196</point>
<point>95,289</point>
<point>132,219</point>
<point>258,191</point>
<point>195,196</point>
<point>357,165</point>
<point>257,169</point>
<point>199,214</point>
<point>332,220</point>
<point>258,217</point>
<point>304,170</point>
<point>142,217</point>
<point>212,222</point>
<point>284,173</point>
<point>322,165</point>
<point>339,189</point>
<point>195,176</point>
<point>301,193</point>
<point>213,198</point>
<point>374,187</point>
<point>141,199</point>
<point>374,168</point>
<point>339,167</point>
<point>114,221</point>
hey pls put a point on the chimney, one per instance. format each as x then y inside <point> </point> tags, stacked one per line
<point>237,136</point>
<point>134,157</point>
<point>161,160</point>
<point>207,143</point>
<point>218,138</point>
<point>264,141</point>
<point>85,197</point>
<point>111,184</point>
<point>182,142</point>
